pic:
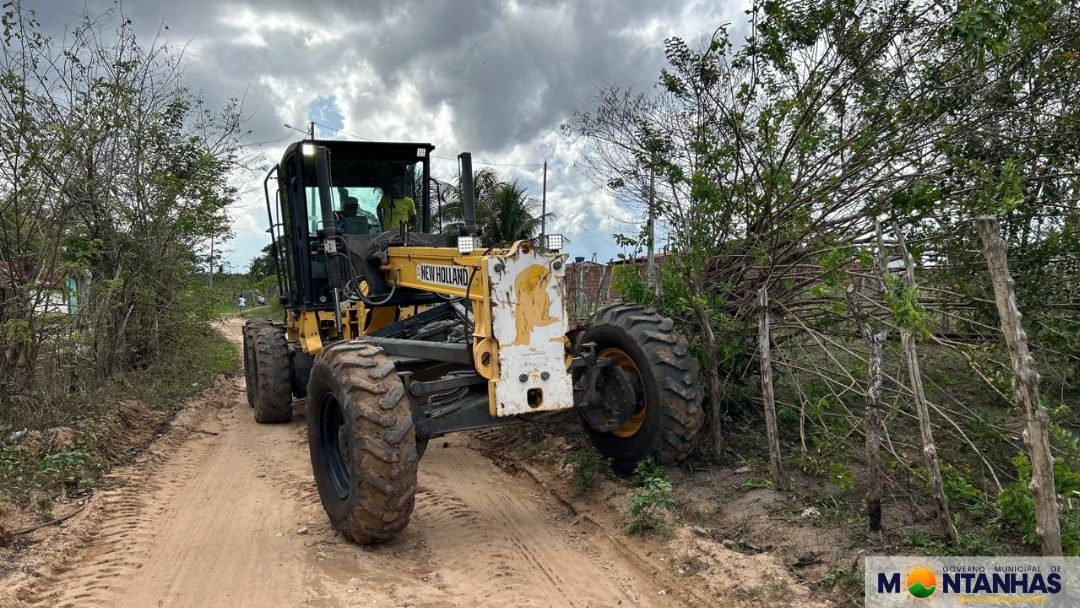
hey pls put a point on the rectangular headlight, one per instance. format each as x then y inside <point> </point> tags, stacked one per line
<point>308,149</point>
<point>467,244</point>
<point>553,242</point>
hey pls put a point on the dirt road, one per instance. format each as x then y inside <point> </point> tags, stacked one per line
<point>223,512</point>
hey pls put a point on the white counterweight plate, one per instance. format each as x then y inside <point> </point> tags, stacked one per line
<point>529,323</point>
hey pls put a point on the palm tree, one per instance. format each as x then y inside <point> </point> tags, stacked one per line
<point>451,215</point>
<point>504,210</point>
<point>508,215</point>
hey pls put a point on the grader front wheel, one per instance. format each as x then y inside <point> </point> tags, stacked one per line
<point>647,401</point>
<point>362,442</point>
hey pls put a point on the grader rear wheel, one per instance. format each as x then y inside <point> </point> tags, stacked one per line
<point>653,381</point>
<point>273,376</point>
<point>250,376</point>
<point>362,442</point>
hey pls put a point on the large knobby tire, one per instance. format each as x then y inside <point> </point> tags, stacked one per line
<point>670,414</point>
<point>273,377</point>
<point>250,376</point>
<point>362,442</point>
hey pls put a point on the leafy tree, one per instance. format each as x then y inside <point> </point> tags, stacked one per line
<point>114,176</point>
<point>507,215</point>
<point>773,158</point>
<point>263,265</point>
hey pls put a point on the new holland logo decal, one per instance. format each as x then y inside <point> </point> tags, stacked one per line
<point>454,276</point>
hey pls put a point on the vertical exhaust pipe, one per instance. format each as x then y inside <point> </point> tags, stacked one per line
<point>322,180</point>
<point>468,195</point>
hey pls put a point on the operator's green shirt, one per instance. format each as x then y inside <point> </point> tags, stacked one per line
<point>393,212</point>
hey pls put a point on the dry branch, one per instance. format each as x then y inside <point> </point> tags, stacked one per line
<point>933,466</point>
<point>775,465</point>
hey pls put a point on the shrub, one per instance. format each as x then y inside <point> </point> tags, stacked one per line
<point>653,495</point>
<point>69,469</point>
<point>648,469</point>
<point>1018,505</point>
<point>587,464</point>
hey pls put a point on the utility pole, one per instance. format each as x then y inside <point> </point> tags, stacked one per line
<point>543,208</point>
<point>211,260</point>
<point>311,129</point>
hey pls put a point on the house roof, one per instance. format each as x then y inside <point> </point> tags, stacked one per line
<point>23,274</point>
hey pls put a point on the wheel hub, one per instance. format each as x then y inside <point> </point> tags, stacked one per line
<point>614,399</point>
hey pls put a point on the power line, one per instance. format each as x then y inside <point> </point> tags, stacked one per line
<point>336,130</point>
<point>533,165</point>
<point>484,162</point>
<point>269,141</point>
<point>432,156</point>
<point>354,135</point>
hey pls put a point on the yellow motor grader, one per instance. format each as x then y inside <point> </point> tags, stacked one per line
<point>396,334</point>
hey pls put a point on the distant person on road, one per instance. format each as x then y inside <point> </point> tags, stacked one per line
<point>242,303</point>
<point>396,208</point>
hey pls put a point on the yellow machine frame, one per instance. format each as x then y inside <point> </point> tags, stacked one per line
<point>311,328</point>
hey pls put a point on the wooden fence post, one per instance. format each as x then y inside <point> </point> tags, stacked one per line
<point>872,417</point>
<point>922,408</point>
<point>1025,387</point>
<point>775,465</point>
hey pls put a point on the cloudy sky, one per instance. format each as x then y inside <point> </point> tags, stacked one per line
<point>495,78</point>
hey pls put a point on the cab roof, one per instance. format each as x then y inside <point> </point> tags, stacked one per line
<point>367,150</point>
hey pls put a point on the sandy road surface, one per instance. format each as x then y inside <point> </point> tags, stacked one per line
<point>223,512</point>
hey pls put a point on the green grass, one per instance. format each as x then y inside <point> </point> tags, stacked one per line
<point>754,483</point>
<point>191,369</point>
<point>272,311</point>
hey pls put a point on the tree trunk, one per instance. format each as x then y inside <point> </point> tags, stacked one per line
<point>922,408</point>
<point>1025,388</point>
<point>775,465</point>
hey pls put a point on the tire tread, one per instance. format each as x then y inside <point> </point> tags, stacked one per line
<point>273,394</point>
<point>385,458</point>
<point>676,377</point>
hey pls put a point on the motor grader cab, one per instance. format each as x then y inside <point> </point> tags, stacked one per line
<point>396,335</point>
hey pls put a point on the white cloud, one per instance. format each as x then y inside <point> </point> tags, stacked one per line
<point>493,77</point>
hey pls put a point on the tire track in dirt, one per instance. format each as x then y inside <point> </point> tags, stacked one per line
<point>507,540</point>
<point>193,527</point>
<point>224,512</point>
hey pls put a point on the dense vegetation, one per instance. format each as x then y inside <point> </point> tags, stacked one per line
<point>113,177</point>
<point>776,159</point>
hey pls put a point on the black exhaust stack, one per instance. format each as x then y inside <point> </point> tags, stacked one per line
<point>468,195</point>
<point>322,180</point>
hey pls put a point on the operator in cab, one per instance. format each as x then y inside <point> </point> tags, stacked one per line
<point>350,220</point>
<point>396,208</point>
